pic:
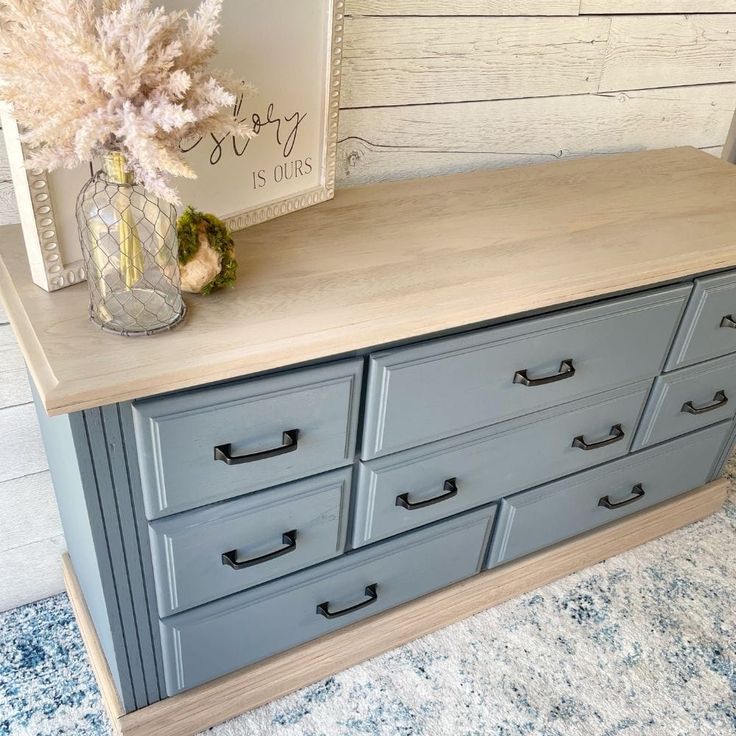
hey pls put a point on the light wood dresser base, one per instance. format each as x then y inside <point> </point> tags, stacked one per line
<point>193,711</point>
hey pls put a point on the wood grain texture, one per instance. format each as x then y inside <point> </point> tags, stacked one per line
<point>401,143</point>
<point>21,449</point>
<point>195,710</point>
<point>462,7</point>
<point>14,387</point>
<point>8,206</point>
<point>17,590</point>
<point>4,165</point>
<point>27,512</point>
<point>393,262</point>
<point>626,7</point>
<point>669,50</point>
<point>404,61</point>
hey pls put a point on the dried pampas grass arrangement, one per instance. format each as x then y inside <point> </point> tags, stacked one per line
<point>83,77</point>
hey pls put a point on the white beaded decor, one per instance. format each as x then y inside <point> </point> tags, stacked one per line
<point>58,274</point>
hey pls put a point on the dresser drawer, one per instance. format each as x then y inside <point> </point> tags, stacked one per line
<point>444,387</point>
<point>212,444</point>
<point>539,518</point>
<point>418,486</point>
<point>689,399</point>
<point>202,555</point>
<point>209,641</point>
<point>708,328</point>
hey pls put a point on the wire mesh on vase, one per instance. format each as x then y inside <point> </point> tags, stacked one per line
<point>130,251</point>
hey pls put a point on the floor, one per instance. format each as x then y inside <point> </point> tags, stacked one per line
<point>643,644</point>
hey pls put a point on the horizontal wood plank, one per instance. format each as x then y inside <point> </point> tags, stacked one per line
<point>14,388</point>
<point>28,511</point>
<point>381,144</point>
<point>394,262</point>
<point>8,206</point>
<point>46,579</point>
<point>462,7</point>
<point>626,7</point>
<point>669,50</point>
<point>21,449</point>
<point>195,710</point>
<point>4,165</point>
<point>402,61</point>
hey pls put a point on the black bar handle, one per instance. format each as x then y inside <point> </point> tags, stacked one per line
<point>371,594</point>
<point>450,488</point>
<point>616,435</point>
<point>567,370</point>
<point>288,539</point>
<point>638,492</point>
<point>290,442</point>
<point>719,400</point>
<point>729,321</point>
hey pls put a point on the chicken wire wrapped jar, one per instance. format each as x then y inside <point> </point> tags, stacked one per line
<point>130,251</point>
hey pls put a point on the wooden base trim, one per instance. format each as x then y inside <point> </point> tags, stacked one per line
<point>193,711</point>
<point>105,682</point>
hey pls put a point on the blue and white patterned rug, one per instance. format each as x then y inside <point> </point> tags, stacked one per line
<point>643,644</point>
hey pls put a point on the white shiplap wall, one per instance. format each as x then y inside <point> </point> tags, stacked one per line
<point>30,532</point>
<point>436,86</point>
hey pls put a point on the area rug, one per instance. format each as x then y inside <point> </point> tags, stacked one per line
<point>642,644</point>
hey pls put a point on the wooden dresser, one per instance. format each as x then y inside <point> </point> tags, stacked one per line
<point>421,399</point>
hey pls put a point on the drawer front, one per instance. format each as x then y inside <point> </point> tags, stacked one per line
<point>708,328</point>
<point>418,486</point>
<point>689,399</point>
<point>539,518</point>
<point>209,641</point>
<point>209,553</point>
<point>269,431</point>
<point>444,387</point>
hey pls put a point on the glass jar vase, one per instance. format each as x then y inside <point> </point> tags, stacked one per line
<point>130,252</point>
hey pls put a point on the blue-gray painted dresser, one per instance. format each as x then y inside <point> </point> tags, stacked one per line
<point>415,385</point>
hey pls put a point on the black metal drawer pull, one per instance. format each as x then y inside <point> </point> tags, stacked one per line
<point>719,400</point>
<point>638,492</point>
<point>729,321</point>
<point>450,488</point>
<point>567,370</point>
<point>290,440</point>
<point>288,539</point>
<point>371,594</point>
<point>617,434</point>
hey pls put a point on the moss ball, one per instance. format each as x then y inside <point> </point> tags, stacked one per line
<point>206,252</point>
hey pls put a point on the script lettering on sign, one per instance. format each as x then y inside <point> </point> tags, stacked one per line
<point>271,129</point>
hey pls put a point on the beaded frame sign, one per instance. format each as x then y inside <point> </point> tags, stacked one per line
<point>290,51</point>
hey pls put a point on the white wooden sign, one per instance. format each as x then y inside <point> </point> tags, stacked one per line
<point>290,51</point>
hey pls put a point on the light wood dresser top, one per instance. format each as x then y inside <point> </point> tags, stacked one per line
<point>392,262</point>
